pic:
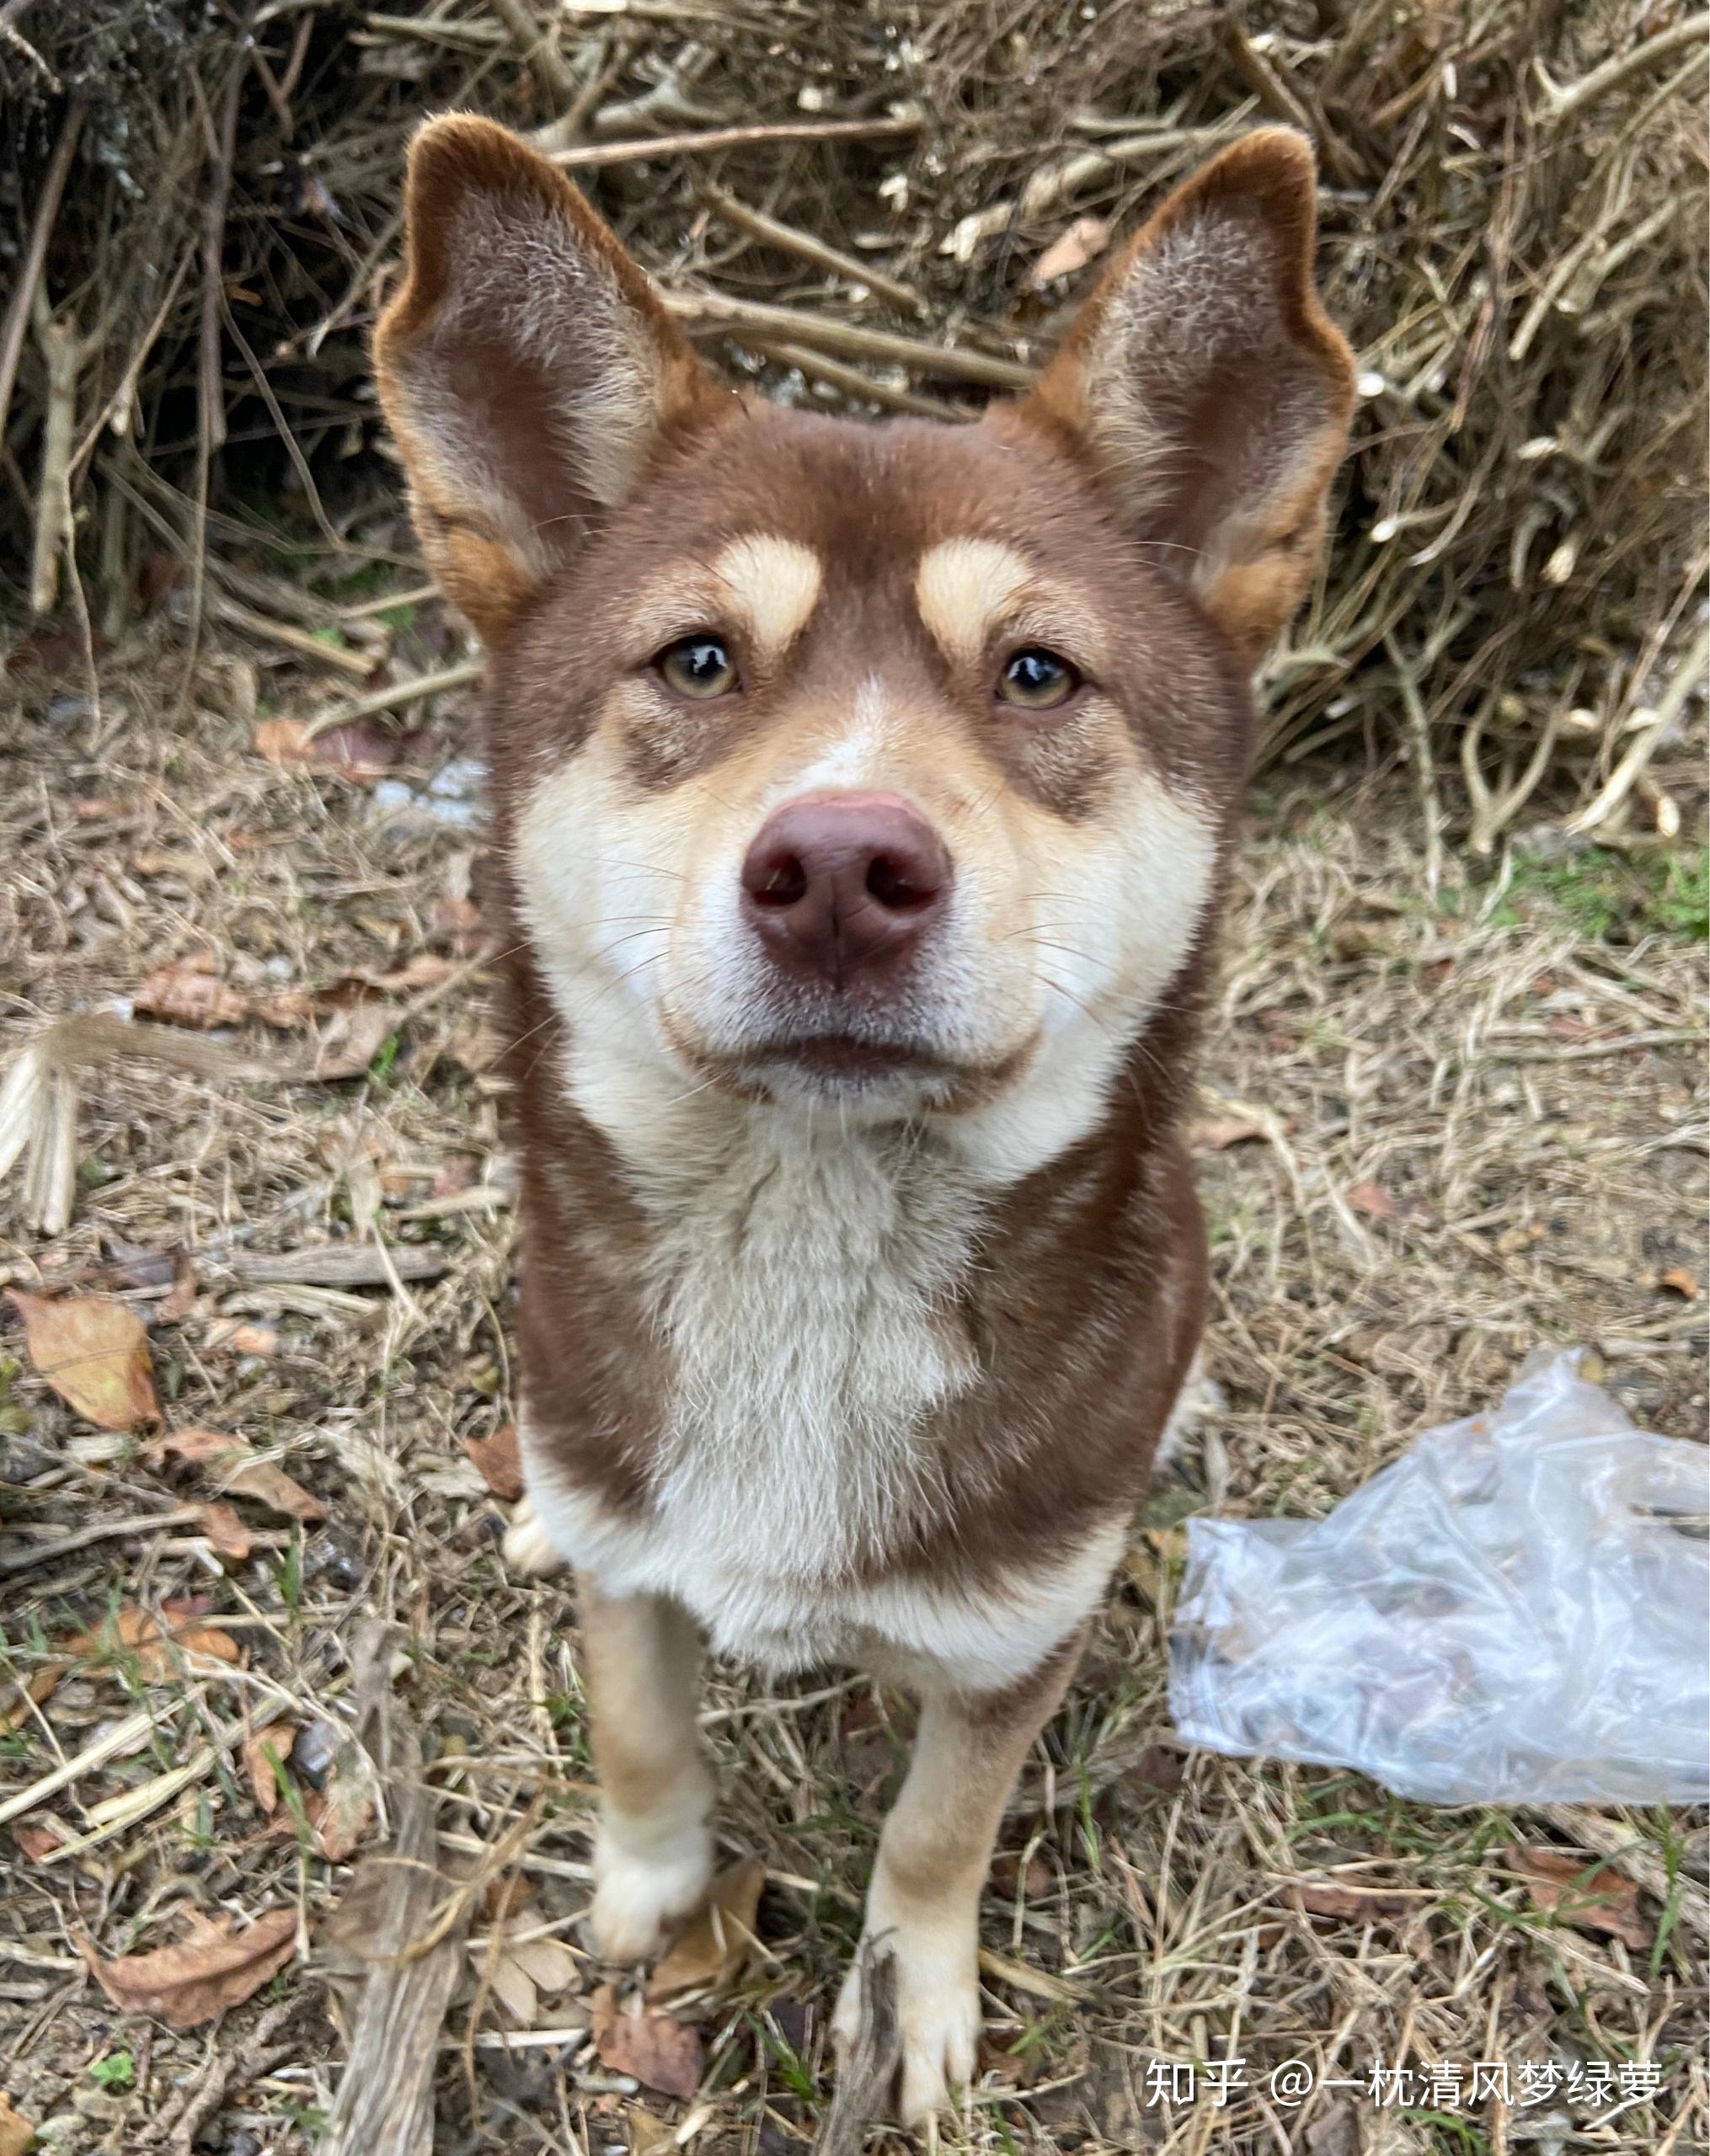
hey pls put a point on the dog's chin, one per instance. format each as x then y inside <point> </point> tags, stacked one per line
<point>862,1077</point>
<point>868,1080</point>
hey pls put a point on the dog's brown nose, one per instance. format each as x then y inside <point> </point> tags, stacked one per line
<point>837,883</point>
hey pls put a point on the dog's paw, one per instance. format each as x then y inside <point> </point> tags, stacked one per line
<point>528,1546</point>
<point>641,1896</point>
<point>937,2015</point>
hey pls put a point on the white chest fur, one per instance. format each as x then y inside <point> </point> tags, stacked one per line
<point>808,1286</point>
<point>806,1278</point>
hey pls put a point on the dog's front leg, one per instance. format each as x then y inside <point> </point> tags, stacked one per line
<point>652,1857</point>
<point>923,1904</point>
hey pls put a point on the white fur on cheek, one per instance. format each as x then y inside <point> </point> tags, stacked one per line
<point>599,889</point>
<point>1118,916</point>
<point>634,903</point>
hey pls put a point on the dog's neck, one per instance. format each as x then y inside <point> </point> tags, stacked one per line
<point>806,1274</point>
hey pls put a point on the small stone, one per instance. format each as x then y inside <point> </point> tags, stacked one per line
<point>21,1460</point>
<point>312,1755</point>
<point>327,1558</point>
<point>98,2104</point>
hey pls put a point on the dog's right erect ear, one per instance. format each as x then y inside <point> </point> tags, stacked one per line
<point>526,368</point>
<point>1206,388</point>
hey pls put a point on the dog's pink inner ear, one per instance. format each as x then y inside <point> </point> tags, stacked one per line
<point>1209,392</point>
<point>527,370</point>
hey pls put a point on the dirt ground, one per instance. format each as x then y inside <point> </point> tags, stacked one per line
<point>1440,1129</point>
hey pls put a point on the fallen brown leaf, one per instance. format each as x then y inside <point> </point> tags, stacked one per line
<point>718,1944</point>
<point>352,1038</point>
<point>272,1486</point>
<point>646,2135</point>
<point>158,1651</point>
<point>38,1686</point>
<point>1009,1878</point>
<point>630,2038</point>
<point>1155,1772</point>
<point>1591,1898</point>
<point>239,1472</point>
<point>206,1973</point>
<point>291,1008</point>
<point>180,1299</point>
<point>519,1971</point>
<point>194,1446</point>
<point>1372,1199</point>
<point>551,1965</point>
<point>1679,1282</point>
<point>37,1842</point>
<point>94,1353</point>
<point>1352,1904</point>
<point>499,1462</point>
<point>360,1913</point>
<point>1085,239</point>
<point>238,1338</point>
<point>513,1986</point>
<point>266,1752</point>
<point>475,1047</point>
<point>358,751</point>
<point>225,1531</point>
<point>506,1898</point>
<point>340,1815</point>
<point>190,993</point>
<point>16,2132</point>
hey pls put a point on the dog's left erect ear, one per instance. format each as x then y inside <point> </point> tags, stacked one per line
<point>527,369</point>
<point>1209,390</point>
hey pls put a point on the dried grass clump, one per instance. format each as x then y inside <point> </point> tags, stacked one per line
<point>898,206</point>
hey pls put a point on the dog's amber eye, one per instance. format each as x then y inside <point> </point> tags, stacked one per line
<point>1037,680</point>
<point>697,666</point>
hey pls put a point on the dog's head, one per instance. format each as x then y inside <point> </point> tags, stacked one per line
<point>887,766</point>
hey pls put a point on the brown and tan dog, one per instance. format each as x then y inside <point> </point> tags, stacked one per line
<point>863,801</point>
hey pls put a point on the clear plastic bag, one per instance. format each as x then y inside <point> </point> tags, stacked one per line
<point>1516,1611</point>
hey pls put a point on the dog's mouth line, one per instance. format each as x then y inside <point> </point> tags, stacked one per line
<point>842,1054</point>
<point>840,1061</point>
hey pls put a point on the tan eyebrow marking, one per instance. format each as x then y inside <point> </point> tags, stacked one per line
<point>774,583</point>
<point>962,586</point>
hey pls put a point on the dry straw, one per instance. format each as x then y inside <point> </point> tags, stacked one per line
<point>850,203</point>
<point>1434,1136</point>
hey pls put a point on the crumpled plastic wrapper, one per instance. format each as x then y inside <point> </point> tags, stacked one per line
<point>1515,1612</point>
